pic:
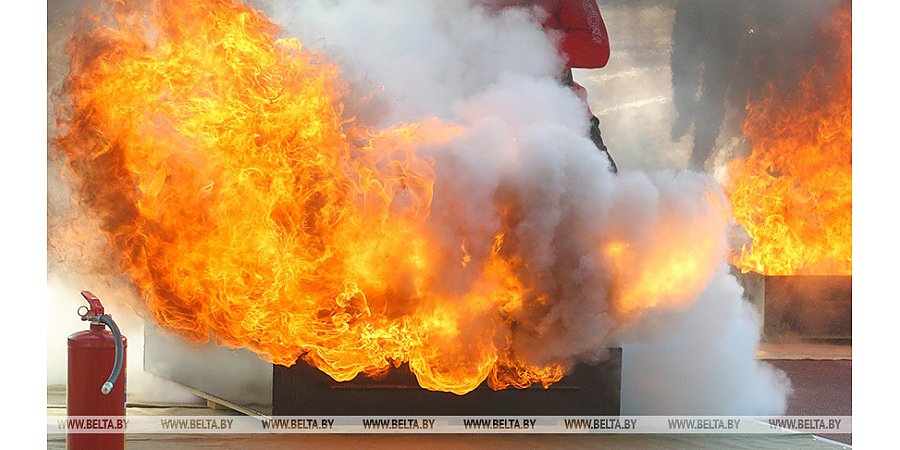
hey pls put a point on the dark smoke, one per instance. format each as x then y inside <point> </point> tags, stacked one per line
<point>727,54</point>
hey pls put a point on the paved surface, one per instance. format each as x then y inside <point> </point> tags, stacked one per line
<point>804,351</point>
<point>464,442</point>
<point>821,387</point>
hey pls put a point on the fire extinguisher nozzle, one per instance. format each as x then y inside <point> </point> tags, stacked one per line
<point>107,388</point>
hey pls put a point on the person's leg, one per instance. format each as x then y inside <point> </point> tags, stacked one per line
<point>598,141</point>
<point>711,109</point>
<point>687,42</point>
<point>567,80</point>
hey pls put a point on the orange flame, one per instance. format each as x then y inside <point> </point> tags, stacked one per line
<point>793,194</point>
<point>245,208</point>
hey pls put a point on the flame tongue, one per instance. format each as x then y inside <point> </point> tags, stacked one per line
<point>793,195</point>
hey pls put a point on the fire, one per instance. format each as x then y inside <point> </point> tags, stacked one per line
<point>674,268</point>
<point>793,194</point>
<point>246,208</point>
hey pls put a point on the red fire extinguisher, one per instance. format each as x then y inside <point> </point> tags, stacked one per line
<point>95,394</point>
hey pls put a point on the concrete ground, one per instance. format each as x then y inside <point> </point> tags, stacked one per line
<point>821,376</point>
<point>464,442</point>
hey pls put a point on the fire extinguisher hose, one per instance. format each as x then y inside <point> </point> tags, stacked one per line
<point>120,353</point>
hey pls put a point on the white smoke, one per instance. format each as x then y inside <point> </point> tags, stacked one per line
<point>425,55</point>
<point>701,360</point>
<point>116,295</point>
<point>526,139</point>
<point>76,262</point>
<point>493,73</point>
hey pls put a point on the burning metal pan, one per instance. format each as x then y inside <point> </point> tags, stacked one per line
<point>237,378</point>
<point>806,307</point>
<point>586,390</point>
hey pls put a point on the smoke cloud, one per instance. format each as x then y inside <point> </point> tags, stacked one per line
<point>588,236</point>
<point>701,360</point>
<point>525,138</point>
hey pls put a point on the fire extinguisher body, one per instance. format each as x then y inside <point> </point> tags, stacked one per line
<point>92,354</point>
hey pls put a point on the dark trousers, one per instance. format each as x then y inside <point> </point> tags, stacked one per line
<point>567,80</point>
<point>598,141</point>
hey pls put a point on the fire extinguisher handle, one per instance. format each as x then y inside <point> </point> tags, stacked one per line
<point>94,301</point>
